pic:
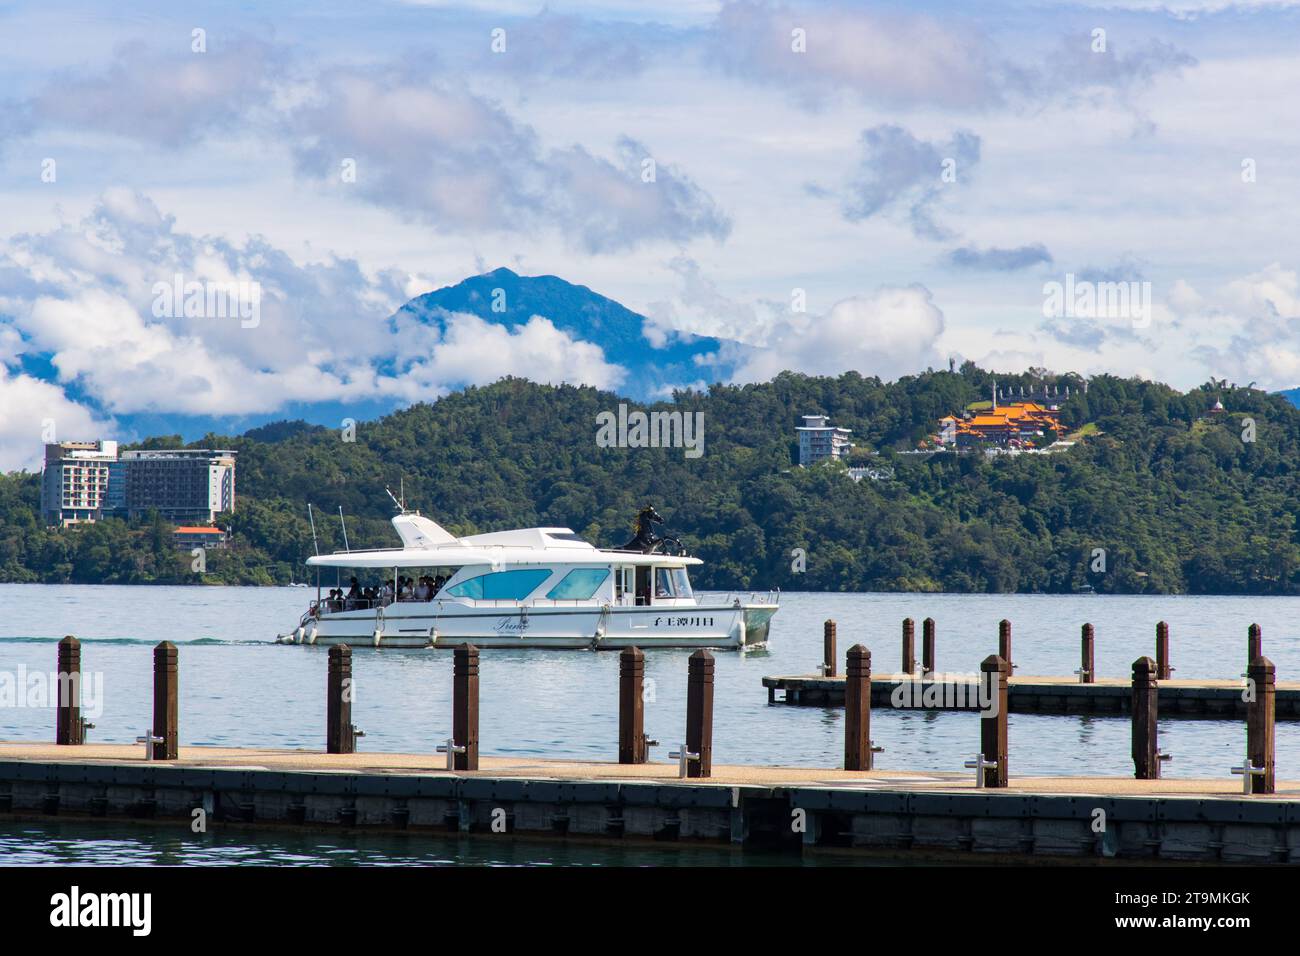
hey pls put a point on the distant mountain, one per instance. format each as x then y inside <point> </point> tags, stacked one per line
<point>1292,395</point>
<point>680,360</point>
<point>582,314</point>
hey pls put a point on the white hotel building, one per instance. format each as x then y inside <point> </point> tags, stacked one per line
<point>819,441</point>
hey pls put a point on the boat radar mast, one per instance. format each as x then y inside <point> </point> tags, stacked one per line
<point>400,501</point>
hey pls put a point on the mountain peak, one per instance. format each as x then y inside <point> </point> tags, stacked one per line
<point>505,298</point>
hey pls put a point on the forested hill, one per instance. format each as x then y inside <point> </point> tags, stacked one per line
<point>1179,500</point>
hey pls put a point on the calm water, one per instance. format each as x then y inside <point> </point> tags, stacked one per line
<point>239,690</point>
<point>65,843</point>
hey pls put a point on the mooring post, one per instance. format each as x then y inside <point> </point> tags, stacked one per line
<point>67,722</point>
<point>993,720</point>
<point>166,706</point>
<point>1260,715</point>
<point>338,702</point>
<point>699,714</point>
<point>909,646</point>
<point>1254,643</point>
<point>857,709</point>
<point>1162,651</point>
<point>464,709</point>
<point>1087,665</point>
<point>1146,697</point>
<point>631,706</point>
<point>1004,641</point>
<point>927,645</point>
<point>828,649</point>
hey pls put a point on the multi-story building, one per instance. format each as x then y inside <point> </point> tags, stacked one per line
<point>84,481</point>
<point>819,441</point>
<point>75,482</point>
<point>181,484</point>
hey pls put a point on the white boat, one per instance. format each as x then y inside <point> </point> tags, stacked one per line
<point>534,587</point>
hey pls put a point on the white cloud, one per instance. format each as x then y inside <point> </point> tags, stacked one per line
<point>438,153</point>
<point>889,333</point>
<point>473,351</point>
<point>27,407</point>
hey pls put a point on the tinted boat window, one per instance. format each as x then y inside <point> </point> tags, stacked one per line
<point>579,584</point>
<point>682,582</point>
<point>501,585</point>
<point>664,583</point>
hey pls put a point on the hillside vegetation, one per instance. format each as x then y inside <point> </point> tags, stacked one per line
<point>1178,503</point>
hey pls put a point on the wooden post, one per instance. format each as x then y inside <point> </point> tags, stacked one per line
<point>1086,659</point>
<point>1260,714</point>
<point>631,706</point>
<point>1254,643</point>
<point>993,725</point>
<point>1162,651</point>
<point>909,646</point>
<point>699,714</point>
<point>927,645</point>
<point>1004,641</point>
<point>857,709</point>
<point>67,721</point>
<point>1146,697</point>
<point>338,702</point>
<point>464,708</point>
<point>828,649</point>
<point>166,706</point>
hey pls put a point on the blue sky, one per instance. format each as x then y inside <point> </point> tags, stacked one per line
<point>896,193</point>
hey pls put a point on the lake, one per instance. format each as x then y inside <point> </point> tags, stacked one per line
<point>238,689</point>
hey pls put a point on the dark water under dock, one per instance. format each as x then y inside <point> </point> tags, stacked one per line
<point>50,843</point>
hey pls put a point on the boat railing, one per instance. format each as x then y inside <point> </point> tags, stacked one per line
<point>740,598</point>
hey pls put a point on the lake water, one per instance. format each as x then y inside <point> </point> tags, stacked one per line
<point>238,689</point>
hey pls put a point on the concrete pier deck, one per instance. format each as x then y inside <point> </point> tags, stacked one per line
<point>803,808</point>
<point>1043,695</point>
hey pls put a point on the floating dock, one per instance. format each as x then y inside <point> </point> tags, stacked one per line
<point>1028,695</point>
<point>1036,695</point>
<point>941,816</point>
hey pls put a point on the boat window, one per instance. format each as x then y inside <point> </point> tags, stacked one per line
<point>579,584</point>
<point>501,585</point>
<point>664,583</point>
<point>682,583</point>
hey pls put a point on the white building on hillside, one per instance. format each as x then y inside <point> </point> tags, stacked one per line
<point>819,440</point>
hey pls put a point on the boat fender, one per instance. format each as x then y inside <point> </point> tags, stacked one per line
<point>297,635</point>
<point>311,635</point>
<point>379,633</point>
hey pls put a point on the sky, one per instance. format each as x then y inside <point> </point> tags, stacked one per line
<point>883,187</point>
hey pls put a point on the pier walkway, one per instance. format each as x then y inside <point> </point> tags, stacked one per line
<point>891,812</point>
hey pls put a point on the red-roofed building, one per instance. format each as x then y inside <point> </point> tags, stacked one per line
<point>188,537</point>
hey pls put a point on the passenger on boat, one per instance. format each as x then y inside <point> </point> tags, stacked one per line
<point>388,593</point>
<point>407,593</point>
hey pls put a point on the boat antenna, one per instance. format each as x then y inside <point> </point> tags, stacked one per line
<point>400,502</point>
<point>345,529</point>
<point>314,545</point>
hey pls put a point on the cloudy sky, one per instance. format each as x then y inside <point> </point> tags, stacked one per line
<point>877,186</point>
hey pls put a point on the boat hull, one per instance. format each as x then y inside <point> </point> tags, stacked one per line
<point>421,625</point>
